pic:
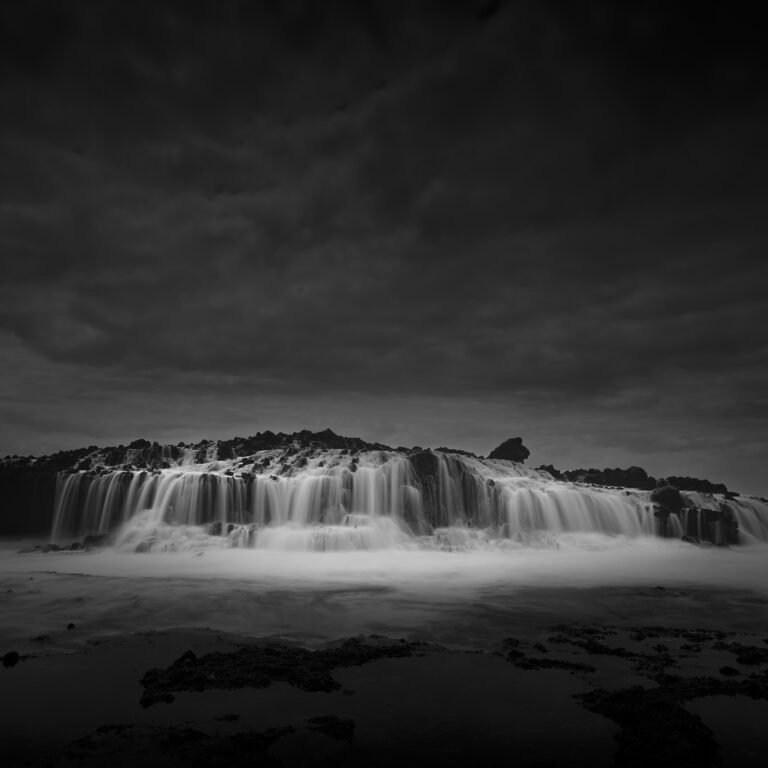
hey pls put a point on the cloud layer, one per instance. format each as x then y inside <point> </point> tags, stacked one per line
<point>436,222</point>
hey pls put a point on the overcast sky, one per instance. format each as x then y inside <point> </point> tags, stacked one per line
<point>419,223</point>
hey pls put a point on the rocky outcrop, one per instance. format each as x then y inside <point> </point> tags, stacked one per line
<point>258,666</point>
<point>635,477</point>
<point>511,450</point>
<point>632,477</point>
<point>694,484</point>
<point>668,498</point>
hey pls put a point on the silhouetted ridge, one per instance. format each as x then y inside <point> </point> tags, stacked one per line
<point>633,477</point>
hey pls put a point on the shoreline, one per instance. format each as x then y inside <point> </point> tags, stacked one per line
<point>546,693</point>
<point>500,666</point>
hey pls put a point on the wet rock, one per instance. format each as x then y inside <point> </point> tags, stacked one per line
<point>70,626</point>
<point>655,728</point>
<point>745,654</point>
<point>512,650</point>
<point>11,659</point>
<point>668,498</point>
<point>259,666</point>
<point>632,477</point>
<point>511,450</point>
<point>424,463</point>
<point>95,540</point>
<point>693,484</point>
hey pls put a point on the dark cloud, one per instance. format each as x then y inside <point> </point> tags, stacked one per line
<point>399,217</point>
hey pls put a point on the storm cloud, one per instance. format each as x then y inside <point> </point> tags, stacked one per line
<point>418,222</point>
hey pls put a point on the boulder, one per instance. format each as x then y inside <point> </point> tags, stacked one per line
<point>668,497</point>
<point>511,450</point>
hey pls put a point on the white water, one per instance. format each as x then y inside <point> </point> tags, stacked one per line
<point>378,500</point>
<point>463,596</point>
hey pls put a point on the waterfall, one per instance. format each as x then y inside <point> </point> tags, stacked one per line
<point>332,499</point>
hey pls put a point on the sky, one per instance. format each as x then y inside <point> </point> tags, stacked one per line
<point>421,223</point>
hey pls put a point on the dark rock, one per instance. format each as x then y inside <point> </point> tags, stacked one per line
<point>655,728</point>
<point>511,450</point>
<point>70,625</point>
<point>632,477</point>
<point>668,497</point>
<point>745,654</point>
<point>692,484</point>
<point>95,540</point>
<point>259,665</point>
<point>140,443</point>
<point>424,463</point>
<point>225,451</point>
<point>11,659</point>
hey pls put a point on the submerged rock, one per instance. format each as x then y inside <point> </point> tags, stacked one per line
<point>259,666</point>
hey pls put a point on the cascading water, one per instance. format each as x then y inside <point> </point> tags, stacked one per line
<point>333,500</point>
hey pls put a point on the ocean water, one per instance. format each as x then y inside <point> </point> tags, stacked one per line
<point>465,596</point>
